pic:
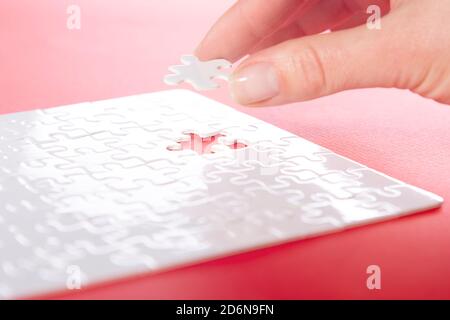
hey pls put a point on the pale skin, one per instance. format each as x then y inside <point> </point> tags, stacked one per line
<point>291,59</point>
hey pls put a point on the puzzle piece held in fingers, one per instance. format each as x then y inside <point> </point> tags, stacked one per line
<point>200,74</point>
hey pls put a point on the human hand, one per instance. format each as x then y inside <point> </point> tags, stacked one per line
<point>292,60</point>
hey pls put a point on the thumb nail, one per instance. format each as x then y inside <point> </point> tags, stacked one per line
<point>254,83</point>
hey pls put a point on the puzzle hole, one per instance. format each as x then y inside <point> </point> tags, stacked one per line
<point>237,145</point>
<point>203,145</point>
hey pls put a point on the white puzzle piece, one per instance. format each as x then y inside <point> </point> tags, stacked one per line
<point>200,74</point>
<point>95,191</point>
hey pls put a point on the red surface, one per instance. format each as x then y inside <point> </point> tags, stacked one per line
<point>124,48</point>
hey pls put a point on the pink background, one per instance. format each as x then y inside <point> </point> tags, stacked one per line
<point>124,48</point>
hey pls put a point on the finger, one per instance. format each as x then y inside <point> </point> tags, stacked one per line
<point>244,25</point>
<point>352,21</point>
<point>360,16</point>
<point>326,15</point>
<point>319,65</point>
<point>323,16</point>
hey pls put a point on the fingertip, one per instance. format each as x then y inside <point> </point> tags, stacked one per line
<point>209,48</point>
<point>200,53</point>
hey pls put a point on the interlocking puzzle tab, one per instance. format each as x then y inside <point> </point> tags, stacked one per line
<point>200,74</point>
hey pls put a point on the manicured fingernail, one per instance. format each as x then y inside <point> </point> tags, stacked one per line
<point>254,83</point>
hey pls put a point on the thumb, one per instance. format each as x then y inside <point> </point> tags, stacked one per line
<point>319,65</point>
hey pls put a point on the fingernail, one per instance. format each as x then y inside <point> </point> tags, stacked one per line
<point>254,83</point>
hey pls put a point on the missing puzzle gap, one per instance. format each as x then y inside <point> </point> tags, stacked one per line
<point>204,145</point>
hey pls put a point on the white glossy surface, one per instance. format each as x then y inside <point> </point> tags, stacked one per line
<point>96,186</point>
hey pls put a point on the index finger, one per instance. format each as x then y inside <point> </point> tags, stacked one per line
<point>245,24</point>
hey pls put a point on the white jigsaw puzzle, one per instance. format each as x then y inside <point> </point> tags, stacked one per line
<point>108,189</point>
<point>200,74</point>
